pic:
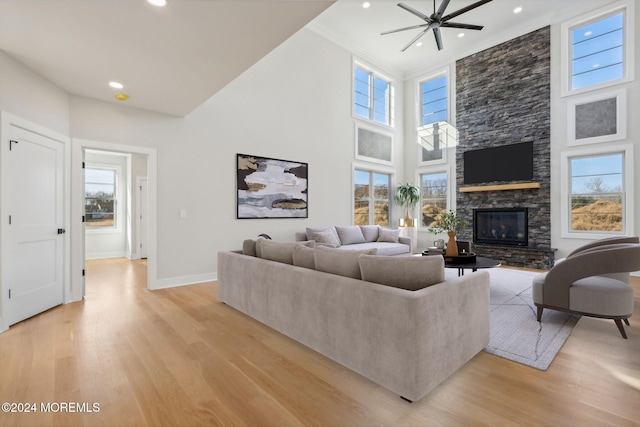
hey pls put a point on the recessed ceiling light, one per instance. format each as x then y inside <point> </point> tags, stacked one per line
<point>419,44</point>
<point>158,3</point>
<point>517,10</point>
<point>121,96</point>
<point>461,35</point>
<point>116,85</point>
<point>366,5</point>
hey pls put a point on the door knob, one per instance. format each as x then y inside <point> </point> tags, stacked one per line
<point>61,231</point>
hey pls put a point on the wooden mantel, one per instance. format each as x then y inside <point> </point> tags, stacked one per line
<point>500,187</point>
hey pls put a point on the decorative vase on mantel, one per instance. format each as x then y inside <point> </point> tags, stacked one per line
<point>452,245</point>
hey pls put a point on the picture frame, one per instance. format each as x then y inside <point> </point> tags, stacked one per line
<point>271,188</point>
<point>597,118</point>
<point>373,145</point>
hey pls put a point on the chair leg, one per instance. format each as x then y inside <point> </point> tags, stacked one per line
<point>620,328</point>
<point>539,316</point>
<point>626,321</point>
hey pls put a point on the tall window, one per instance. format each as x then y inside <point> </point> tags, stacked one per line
<point>100,198</point>
<point>372,96</point>
<point>597,52</point>
<point>597,193</point>
<point>371,198</point>
<point>434,101</point>
<point>433,196</point>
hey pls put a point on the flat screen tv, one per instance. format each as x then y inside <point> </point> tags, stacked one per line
<point>513,162</point>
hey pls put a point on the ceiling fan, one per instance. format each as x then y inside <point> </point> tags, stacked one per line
<point>437,21</point>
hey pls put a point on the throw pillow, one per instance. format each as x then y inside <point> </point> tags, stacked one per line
<point>249,247</point>
<point>388,235</point>
<point>303,256</point>
<point>370,232</point>
<point>324,236</point>
<point>340,262</point>
<point>405,272</point>
<point>350,235</point>
<point>279,251</point>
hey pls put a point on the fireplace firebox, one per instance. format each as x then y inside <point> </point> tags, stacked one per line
<point>503,227</point>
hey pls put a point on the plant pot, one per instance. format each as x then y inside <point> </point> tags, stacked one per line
<point>407,222</point>
<point>452,246</point>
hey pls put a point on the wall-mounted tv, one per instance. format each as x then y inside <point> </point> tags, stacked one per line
<point>513,162</point>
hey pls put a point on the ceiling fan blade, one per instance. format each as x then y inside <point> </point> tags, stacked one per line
<point>404,29</point>
<point>436,33</point>
<point>415,12</point>
<point>464,26</point>
<point>441,9</point>
<point>415,39</point>
<point>465,9</point>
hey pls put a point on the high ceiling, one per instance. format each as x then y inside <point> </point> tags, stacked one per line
<point>170,59</point>
<point>174,58</point>
<point>349,24</point>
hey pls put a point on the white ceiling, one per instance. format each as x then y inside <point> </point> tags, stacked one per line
<point>349,24</point>
<point>172,59</point>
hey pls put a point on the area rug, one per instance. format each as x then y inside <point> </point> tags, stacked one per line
<point>515,333</point>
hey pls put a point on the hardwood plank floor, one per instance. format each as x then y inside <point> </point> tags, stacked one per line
<point>180,357</point>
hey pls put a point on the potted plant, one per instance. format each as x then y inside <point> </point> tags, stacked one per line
<point>407,195</point>
<point>452,223</point>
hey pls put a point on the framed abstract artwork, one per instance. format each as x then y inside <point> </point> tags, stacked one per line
<point>271,188</point>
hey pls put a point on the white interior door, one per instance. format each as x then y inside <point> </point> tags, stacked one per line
<point>142,216</point>
<point>32,231</point>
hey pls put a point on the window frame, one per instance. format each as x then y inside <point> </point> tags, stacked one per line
<point>373,72</point>
<point>446,72</point>
<point>624,6</point>
<point>118,211</point>
<point>371,169</point>
<point>627,199</point>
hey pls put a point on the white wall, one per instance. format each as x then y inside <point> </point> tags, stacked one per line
<point>294,104</point>
<point>25,94</point>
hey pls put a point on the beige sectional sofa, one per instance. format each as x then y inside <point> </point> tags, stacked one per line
<point>408,341</point>
<point>359,237</point>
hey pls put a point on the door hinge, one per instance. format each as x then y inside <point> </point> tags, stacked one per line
<point>9,293</point>
<point>82,165</point>
<point>83,272</point>
<point>82,218</point>
<point>11,142</point>
<point>9,219</point>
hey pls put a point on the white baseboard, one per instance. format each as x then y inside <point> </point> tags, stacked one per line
<point>185,280</point>
<point>103,255</point>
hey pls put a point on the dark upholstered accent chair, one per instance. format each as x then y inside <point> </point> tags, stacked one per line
<point>592,282</point>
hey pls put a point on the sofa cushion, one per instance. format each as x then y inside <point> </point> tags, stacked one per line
<point>278,251</point>
<point>388,235</point>
<point>325,236</point>
<point>350,235</point>
<point>383,248</point>
<point>303,256</point>
<point>411,272</point>
<point>370,232</point>
<point>340,262</point>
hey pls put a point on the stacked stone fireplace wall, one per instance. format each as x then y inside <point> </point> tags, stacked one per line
<point>503,97</point>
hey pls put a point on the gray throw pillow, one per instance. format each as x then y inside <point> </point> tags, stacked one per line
<point>340,262</point>
<point>279,251</point>
<point>388,235</point>
<point>249,247</point>
<point>370,232</point>
<point>304,257</point>
<point>350,235</point>
<point>405,272</point>
<point>324,236</point>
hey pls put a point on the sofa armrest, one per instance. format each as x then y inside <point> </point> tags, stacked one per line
<point>301,236</point>
<point>405,240</point>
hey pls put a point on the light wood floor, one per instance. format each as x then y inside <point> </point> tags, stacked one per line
<point>180,357</point>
